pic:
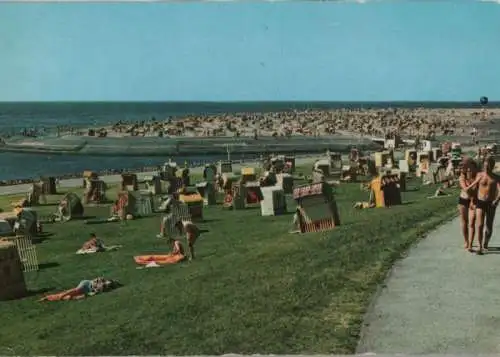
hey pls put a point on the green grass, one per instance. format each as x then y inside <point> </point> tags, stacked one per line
<point>254,288</point>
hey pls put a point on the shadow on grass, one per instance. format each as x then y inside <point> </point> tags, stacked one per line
<point>39,240</point>
<point>351,223</point>
<point>48,265</point>
<point>83,218</point>
<point>412,189</point>
<point>406,203</point>
<point>31,293</point>
<point>101,221</point>
<point>42,237</point>
<point>53,204</point>
<point>211,220</point>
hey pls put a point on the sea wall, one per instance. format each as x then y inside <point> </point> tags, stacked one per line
<point>155,146</point>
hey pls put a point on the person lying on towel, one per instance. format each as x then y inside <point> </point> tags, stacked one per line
<point>94,243</point>
<point>192,233</point>
<point>364,205</point>
<point>84,289</point>
<point>174,257</point>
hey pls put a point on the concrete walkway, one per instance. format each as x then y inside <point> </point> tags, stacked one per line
<point>440,299</point>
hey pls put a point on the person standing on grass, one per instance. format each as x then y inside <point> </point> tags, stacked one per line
<point>296,221</point>
<point>192,233</point>
<point>467,201</point>
<point>488,197</point>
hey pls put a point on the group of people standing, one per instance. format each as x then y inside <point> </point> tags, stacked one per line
<point>477,203</point>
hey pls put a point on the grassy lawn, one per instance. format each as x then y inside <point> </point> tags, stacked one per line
<point>254,288</point>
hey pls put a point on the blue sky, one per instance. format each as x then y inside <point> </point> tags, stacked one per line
<point>250,51</point>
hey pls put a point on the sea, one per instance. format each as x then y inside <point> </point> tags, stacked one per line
<point>45,116</point>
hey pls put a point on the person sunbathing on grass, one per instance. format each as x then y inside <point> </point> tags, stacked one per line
<point>364,204</point>
<point>94,243</point>
<point>192,233</point>
<point>84,289</point>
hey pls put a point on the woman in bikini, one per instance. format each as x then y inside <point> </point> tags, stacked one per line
<point>84,289</point>
<point>467,201</point>
<point>488,197</point>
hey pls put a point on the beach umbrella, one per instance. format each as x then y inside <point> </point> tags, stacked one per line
<point>483,100</point>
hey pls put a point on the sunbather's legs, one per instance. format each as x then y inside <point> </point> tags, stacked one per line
<point>69,294</point>
<point>75,293</point>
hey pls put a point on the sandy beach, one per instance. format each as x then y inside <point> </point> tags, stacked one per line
<point>245,134</point>
<point>365,122</point>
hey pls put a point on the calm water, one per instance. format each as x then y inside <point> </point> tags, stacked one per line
<point>15,117</point>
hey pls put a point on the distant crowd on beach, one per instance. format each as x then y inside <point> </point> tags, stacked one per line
<point>26,132</point>
<point>421,122</point>
<point>36,132</point>
<point>365,122</point>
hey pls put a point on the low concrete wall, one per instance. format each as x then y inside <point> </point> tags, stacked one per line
<point>153,146</point>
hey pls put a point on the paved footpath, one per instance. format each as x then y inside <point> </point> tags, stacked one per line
<point>440,299</point>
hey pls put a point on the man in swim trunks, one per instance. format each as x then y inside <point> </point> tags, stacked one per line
<point>192,234</point>
<point>488,197</point>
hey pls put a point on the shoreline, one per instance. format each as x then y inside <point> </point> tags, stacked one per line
<point>155,146</point>
<point>290,131</point>
<point>291,120</point>
<point>258,132</point>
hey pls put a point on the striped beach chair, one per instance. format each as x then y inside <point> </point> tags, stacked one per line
<point>317,208</point>
<point>309,226</point>
<point>27,252</point>
<point>180,212</point>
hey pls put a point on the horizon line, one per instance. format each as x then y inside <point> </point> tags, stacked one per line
<point>236,101</point>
